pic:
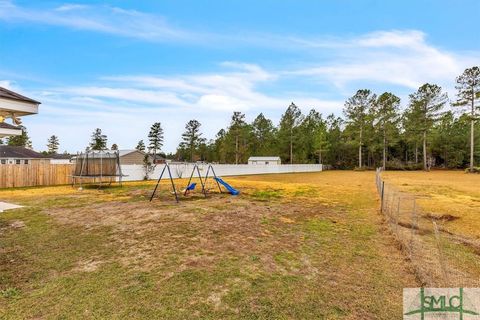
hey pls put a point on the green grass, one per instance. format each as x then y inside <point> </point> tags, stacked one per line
<point>266,195</point>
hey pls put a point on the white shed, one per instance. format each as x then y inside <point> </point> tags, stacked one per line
<point>264,160</point>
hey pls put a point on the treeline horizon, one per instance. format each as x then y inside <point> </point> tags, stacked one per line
<point>430,131</point>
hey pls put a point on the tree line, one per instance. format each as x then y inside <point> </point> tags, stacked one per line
<point>431,130</point>
<point>375,131</point>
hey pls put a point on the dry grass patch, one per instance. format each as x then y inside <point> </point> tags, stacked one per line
<point>452,197</point>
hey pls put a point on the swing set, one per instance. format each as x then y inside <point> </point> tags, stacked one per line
<point>190,186</point>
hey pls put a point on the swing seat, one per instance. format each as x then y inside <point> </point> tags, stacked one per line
<point>191,187</point>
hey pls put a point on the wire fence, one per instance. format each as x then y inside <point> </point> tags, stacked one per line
<point>439,257</point>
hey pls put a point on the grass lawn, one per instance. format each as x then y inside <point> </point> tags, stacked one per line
<point>291,246</point>
<point>452,194</point>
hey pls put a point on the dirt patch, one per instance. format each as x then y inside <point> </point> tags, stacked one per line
<point>200,232</point>
<point>88,265</point>
<point>441,217</point>
<point>17,224</point>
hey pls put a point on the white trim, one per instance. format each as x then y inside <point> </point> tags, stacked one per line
<point>20,108</point>
<point>4,132</point>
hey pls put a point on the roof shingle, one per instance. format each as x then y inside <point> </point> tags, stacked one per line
<point>5,125</point>
<point>8,94</point>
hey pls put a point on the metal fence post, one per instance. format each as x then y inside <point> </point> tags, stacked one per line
<point>382,196</point>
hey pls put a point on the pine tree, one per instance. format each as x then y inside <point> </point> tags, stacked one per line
<point>412,133</point>
<point>237,131</point>
<point>140,146</point>
<point>468,93</point>
<point>263,135</point>
<point>114,147</point>
<point>192,138</point>
<point>426,105</point>
<point>386,116</point>
<point>22,140</point>
<point>335,142</point>
<point>308,152</point>
<point>99,140</point>
<point>288,129</point>
<point>221,146</point>
<point>320,143</point>
<point>155,137</point>
<point>52,144</point>
<point>449,140</point>
<point>356,111</point>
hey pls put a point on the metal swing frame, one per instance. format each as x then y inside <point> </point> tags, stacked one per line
<point>197,169</point>
<point>165,168</point>
<point>214,175</point>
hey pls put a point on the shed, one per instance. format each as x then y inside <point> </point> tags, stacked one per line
<point>266,160</point>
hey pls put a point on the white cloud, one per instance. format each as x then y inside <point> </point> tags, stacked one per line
<point>399,58</point>
<point>70,7</point>
<point>104,19</point>
<point>8,84</point>
<point>126,106</point>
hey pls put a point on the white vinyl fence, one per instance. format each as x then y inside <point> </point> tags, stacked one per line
<point>137,172</point>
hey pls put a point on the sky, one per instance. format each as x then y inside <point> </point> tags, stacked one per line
<point>123,65</point>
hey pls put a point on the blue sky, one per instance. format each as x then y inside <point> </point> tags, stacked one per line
<point>122,65</point>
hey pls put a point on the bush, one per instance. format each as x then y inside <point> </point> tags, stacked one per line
<point>398,165</point>
<point>474,170</point>
<point>364,168</point>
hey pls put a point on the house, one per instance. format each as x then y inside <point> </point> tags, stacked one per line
<point>131,157</point>
<point>20,155</point>
<point>264,160</point>
<point>13,106</point>
<point>159,159</point>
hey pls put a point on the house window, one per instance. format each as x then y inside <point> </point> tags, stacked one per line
<point>4,161</point>
<point>17,161</point>
<point>25,161</point>
<point>266,162</point>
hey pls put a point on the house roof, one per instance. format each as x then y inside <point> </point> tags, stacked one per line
<point>8,94</point>
<point>19,153</point>
<point>5,125</point>
<point>122,153</point>
<point>269,158</point>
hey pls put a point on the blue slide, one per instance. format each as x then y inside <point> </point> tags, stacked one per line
<point>230,189</point>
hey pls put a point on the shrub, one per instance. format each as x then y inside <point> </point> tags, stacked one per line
<point>398,165</point>
<point>474,170</point>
